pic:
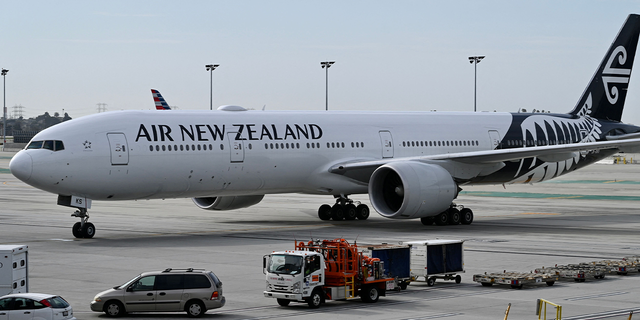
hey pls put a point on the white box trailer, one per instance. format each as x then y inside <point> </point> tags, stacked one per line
<point>437,259</point>
<point>14,269</point>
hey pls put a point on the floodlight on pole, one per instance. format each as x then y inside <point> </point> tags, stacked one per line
<point>4,117</point>
<point>475,60</point>
<point>210,68</point>
<point>326,65</point>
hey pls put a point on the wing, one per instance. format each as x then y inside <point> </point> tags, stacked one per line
<point>465,165</point>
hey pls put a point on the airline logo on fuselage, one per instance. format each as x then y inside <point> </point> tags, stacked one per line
<point>207,132</point>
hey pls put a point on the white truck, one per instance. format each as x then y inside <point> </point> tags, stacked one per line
<point>324,270</point>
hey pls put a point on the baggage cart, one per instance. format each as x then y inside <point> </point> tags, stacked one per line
<point>437,259</point>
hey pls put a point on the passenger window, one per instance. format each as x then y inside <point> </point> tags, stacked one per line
<point>22,303</point>
<point>59,145</point>
<point>312,264</point>
<point>5,303</point>
<point>169,282</point>
<point>196,281</point>
<point>144,284</point>
<point>35,145</point>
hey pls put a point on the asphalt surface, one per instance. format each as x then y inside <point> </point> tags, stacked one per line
<point>588,215</point>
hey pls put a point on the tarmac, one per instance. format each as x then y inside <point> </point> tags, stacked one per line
<point>590,214</point>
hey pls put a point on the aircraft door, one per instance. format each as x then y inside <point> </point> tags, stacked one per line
<point>237,147</point>
<point>118,148</point>
<point>387,144</point>
<point>495,138</point>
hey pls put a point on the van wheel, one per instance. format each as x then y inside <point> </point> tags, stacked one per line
<point>114,309</point>
<point>195,309</point>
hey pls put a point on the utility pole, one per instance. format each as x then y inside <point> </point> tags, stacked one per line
<point>210,68</point>
<point>4,98</point>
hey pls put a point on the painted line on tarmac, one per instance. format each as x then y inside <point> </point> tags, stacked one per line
<point>603,315</point>
<point>594,181</point>
<point>436,316</point>
<point>606,294</point>
<point>548,196</point>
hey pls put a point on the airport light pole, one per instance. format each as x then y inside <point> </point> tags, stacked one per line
<point>475,60</point>
<point>210,68</point>
<point>326,65</point>
<point>4,98</point>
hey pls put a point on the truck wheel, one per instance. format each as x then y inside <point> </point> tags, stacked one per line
<point>314,300</point>
<point>370,294</point>
<point>284,302</point>
<point>403,285</point>
<point>550,283</point>
<point>486,284</point>
<point>431,281</point>
<point>458,279</point>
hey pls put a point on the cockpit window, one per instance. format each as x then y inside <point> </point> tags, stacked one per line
<point>48,145</point>
<point>53,145</point>
<point>35,145</point>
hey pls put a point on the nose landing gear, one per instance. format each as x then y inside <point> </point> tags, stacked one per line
<point>83,229</point>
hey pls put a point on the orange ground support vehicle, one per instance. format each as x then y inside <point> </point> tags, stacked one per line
<point>324,270</point>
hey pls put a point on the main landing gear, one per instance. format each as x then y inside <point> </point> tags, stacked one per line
<point>83,229</point>
<point>344,208</point>
<point>454,215</point>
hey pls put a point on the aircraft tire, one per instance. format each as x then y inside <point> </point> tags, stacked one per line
<point>362,212</point>
<point>466,216</point>
<point>350,212</point>
<point>337,212</point>
<point>427,221</point>
<point>454,216</point>
<point>324,212</point>
<point>88,230</point>
<point>76,230</point>
<point>442,219</point>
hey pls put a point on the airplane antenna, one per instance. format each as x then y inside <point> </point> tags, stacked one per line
<point>264,107</point>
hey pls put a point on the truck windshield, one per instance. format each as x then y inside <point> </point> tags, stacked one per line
<point>285,264</point>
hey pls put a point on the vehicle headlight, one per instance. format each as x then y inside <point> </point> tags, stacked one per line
<point>97,298</point>
<point>296,287</point>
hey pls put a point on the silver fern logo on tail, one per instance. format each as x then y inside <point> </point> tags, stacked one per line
<point>612,75</point>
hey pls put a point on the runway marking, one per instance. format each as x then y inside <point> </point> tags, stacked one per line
<point>606,294</point>
<point>435,316</point>
<point>594,181</point>
<point>541,213</point>
<point>548,196</point>
<point>603,315</point>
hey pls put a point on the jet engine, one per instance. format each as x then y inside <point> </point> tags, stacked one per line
<point>227,203</point>
<point>407,190</point>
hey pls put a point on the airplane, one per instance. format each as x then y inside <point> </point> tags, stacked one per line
<point>161,104</point>
<point>412,165</point>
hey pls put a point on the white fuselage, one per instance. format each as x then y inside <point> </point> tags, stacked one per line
<point>126,155</point>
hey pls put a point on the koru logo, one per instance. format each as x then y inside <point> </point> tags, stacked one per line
<point>87,144</point>
<point>615,75</point>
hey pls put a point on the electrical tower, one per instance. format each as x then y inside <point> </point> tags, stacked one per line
<point>18,112</point>
<point>102,107</point>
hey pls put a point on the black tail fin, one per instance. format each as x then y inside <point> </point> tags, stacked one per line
<point>604,97</point>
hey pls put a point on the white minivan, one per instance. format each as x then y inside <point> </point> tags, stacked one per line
<point>191,290</point>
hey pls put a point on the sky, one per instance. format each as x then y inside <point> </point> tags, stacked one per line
<point>389,55</point>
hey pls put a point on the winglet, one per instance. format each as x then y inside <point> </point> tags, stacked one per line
<point>604,97</point>
<point>161,104</point>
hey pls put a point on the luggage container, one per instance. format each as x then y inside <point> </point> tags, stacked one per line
<point>437,259</point>
<point>515,279</point>
<point>396,260</point>
<point>14,275</point>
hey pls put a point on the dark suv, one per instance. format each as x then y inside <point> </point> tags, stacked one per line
<point>192,290</point>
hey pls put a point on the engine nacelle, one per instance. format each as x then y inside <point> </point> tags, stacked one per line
<point>226,203</point>
<point>407,190</point>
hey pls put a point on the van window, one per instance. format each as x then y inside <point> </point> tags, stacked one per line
<point>144,284</point>
<point>215,279</point>
<point>168,282</point>
<point>196,281</point>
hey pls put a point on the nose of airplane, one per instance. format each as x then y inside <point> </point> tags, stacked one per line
<point>21,166</point>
